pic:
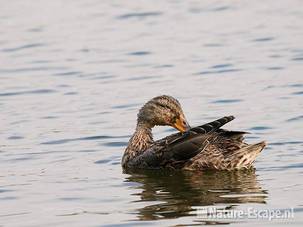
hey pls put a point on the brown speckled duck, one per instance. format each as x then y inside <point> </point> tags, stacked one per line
<point>198,148</point>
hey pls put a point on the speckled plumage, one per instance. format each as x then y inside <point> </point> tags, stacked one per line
<point>203,147</point>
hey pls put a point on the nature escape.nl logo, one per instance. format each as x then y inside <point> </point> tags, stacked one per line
<point>212,213</point>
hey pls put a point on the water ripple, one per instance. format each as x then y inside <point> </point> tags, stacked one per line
<point>297,59</point>
<point>71,73</point>
<point>295,85</point>
<point>264,39</point>
<point>125,106</point>
<point>62,141</point>
<point>15,137</point>
<point>103,161</point>
<point>31,69</point>
<point>164,66</point>
<point>297,93</point>
<point>115,144</point>
<point>9,198</point>
<point>295,118</point>
<point>139,15</point>
<point>139,53</point>
<point>27,46</point>
<point>285,143</point>
<point>221,66</point>
<point>71,85</point>
<point>225,101</point>
<point>38,91</point>
<point>260,128</point>
<point>275,68</point>
<point>291,166</point>
<point>217,71</point>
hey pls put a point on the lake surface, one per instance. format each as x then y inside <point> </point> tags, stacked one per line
<point>73,75</point>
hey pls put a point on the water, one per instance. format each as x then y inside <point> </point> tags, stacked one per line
<point>73,75</point>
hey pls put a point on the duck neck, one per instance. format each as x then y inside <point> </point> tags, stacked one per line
<point>141,139</point>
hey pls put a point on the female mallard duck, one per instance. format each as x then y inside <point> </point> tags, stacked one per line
<point>203,147</point>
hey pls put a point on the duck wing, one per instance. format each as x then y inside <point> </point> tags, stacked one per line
<point>175,150</point>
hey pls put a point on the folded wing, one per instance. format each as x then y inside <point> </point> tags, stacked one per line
<point>175,150</point>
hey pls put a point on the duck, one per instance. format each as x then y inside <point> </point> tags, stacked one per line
<point>204,147</point>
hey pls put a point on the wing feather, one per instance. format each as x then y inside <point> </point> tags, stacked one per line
<point>178,148</point>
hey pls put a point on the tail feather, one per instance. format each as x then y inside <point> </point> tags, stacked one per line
<point>246,156</point>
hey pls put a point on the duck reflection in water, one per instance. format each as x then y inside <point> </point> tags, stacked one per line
<point>177,193</point>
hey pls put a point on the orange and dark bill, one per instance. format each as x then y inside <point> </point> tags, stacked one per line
<point>181,124</point>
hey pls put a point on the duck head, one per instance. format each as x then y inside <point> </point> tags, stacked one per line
<point>163,110</point>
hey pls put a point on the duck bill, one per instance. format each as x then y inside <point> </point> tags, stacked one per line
<point>181,124</point>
